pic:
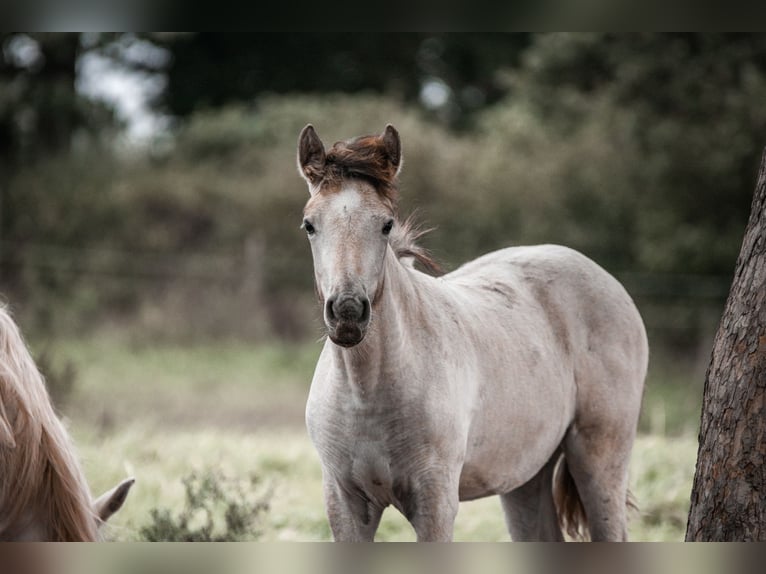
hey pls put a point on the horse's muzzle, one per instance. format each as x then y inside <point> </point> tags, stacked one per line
<point>347,317</point>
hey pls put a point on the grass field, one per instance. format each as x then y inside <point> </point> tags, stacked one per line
<point>161,411</point>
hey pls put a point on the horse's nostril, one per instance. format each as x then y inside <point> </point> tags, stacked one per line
<point>365,310</point>
<point>329,311</point>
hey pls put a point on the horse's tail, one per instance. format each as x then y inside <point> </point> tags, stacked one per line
<point>571,511</point>
<point>35,449</point>
<point>569,506</point>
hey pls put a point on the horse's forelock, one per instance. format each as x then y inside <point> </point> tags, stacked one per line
<point>364,158</point>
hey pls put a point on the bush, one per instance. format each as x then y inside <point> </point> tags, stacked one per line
<point>217,508</point>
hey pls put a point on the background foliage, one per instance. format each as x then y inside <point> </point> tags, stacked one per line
<point>639,150</point>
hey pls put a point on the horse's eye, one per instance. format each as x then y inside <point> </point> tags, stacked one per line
<point>387,227</point>
<point>308,227</point>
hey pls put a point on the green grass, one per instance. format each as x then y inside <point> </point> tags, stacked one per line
<point>222,384</point>
<point>672,397</point>
<point>287,465</point>
<point>107,364</point>
<point>158,412</point>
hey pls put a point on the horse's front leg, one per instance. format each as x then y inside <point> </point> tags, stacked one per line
<point>432,508</point>
<point>353,518</point>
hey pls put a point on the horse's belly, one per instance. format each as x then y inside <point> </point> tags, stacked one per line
<point>507,448</point>
<point>480,478</point>
<point>474,483</point>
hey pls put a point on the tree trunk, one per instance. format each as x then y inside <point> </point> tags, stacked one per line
<point>58,112</point>
<point>728,501</point>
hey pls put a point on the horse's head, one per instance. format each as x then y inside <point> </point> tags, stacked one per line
<point>348,220</point>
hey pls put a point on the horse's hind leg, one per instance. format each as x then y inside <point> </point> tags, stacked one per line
<point>598,459</point>
<point>530,512</point>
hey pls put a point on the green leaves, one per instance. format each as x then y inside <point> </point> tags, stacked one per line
<point>217,508</point>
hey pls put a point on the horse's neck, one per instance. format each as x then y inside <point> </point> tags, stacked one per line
<point>387,338</point>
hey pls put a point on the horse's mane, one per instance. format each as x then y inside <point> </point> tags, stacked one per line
<point>404,237</point>
<point>41,476</point>
<point>366,158</point>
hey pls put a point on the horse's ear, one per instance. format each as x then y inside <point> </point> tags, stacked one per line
<point>111,501</point>
<point>393,147</point>
<point>311,156</point>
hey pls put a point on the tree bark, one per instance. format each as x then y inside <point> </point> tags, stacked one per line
<point>728,500</point>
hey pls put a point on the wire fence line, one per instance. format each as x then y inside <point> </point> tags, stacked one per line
<point>677,306</point>
<point>675,285</point>
<point>127,264</point>
<point>230,264</point>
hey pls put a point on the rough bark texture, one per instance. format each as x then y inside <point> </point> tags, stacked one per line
<point>728,500</point>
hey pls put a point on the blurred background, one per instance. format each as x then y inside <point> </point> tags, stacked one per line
<point>150,204</point>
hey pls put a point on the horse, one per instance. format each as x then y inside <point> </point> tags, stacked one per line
<point>520,374</point>
<point>43,492</point>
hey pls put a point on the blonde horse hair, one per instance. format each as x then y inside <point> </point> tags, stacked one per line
<point>41,477</point>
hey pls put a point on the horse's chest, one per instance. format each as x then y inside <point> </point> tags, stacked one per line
<point>362,437</point>
<point>372,449</point>
<point>371,464</point>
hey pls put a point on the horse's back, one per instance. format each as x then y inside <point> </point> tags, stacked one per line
<point>593,321</point>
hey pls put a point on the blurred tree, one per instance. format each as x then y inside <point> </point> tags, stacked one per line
<point>453,74</point>
<point>695,120</point>
<point>40,109</point>
<point>37,91</point>
<point>729,493</point>
<point>637,149</point>
<point>41,115</point>
<point>38,112</point>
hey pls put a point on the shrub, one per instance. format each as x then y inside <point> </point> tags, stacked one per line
<point>217,508</point>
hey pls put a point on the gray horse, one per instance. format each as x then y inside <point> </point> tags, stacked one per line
<point>519,374</point>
